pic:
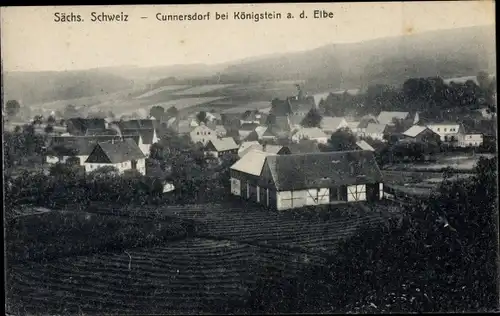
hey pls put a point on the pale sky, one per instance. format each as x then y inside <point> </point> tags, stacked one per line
<point>32,41</point>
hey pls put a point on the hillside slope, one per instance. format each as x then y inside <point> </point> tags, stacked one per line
<point>388,60</point>
<point>36,87</point>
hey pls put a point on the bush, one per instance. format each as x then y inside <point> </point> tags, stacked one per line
<point>60,233</point>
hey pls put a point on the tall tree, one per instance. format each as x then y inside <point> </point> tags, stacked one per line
<point>202,117</point>
<point>172,111</point>
<point>341,140</point>
<point>12,108</point>
<point>51,119</point>
<point>312,119</point>
<point>157,112</point>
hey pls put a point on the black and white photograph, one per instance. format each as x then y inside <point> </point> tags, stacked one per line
<point>279,158</point>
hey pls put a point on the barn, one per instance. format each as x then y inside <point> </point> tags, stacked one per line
<point>245,176</point>
<point>292,181</point>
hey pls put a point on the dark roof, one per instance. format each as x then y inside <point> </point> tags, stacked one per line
<point>72,139</point>
<point>135,124</point>
<point>98,132</point>
<point>303,147</point>
<point>329,169</point>
<point>145,133</point>
<point>363,123</point>
<point>248,126</point>
<point>84,124</point>
<point>280,108</point>
<point>304,105</point>
<point>77,147</point>
<point>115,152</point>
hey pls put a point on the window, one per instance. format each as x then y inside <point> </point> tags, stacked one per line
<point>438,129</point>
<point>197,133</point>
<point>208,133</point>
<point>445,129</point>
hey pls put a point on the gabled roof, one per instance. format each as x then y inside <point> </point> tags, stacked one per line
<point>296,119</point>
<point>260,130</point>
<point>223,144</point>
<point>83,124</point>
<point>363,123</point>
<point>304,105</point>
<point>329,169</point>
<point>249,146</point>
<point>280,108</point>
<point>386,117</point>
<point>353,125</point>
<point>115,152</point>
<point>269,132</point>
<point>76,146</point>
<point>373,128</point>
<point>415,130</point>
<point>245,145</point>
<point>312,132</point>
<point>363,145</point>
<point>272,149</point>
<point>331,122</point>
<point>304,147</point>
<point>251,163</point>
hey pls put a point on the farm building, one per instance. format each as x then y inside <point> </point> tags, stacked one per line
<point>312,133</point>
<point>375,131</point>
<point>387,117</point>
<point>421,133</point>
<point>292,181</point>
<point>353,126</point>
<point>330,124</point>
<point>221,146</point>
<point>246,146</point>
<point>123,155</point>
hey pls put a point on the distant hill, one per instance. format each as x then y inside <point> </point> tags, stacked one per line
<point>37,87</point>
<point>447,53</point>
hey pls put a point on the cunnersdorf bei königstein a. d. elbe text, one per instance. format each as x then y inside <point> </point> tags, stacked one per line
<point>254,16</point>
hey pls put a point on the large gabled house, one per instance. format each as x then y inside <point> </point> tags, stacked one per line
<point>285,182</point>
<point>202,134</point>
<point>304,147</point>
<point>310,133</point>
<point>221,146</point>
<point>375,131</point>
<point>330,124</point>
<point>387,117</point>
<point>123,155</point>
<point>449,132</point>
<point>62,148</point>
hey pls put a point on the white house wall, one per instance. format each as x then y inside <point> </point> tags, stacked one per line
<point>356,193</point>
<point>235,187</point>
<point>317,196</point>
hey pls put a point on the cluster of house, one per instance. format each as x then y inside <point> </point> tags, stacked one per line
<point>95,143</point>
<point>283,120</point>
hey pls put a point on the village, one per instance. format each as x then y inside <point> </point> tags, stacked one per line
<point>260,141</point>
<point>308,166</point>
